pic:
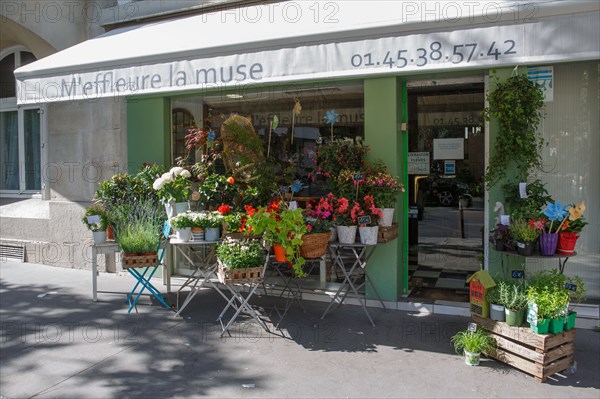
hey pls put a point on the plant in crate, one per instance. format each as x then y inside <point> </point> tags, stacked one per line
<point>239,259</point>
<point>514,300</point>
<point>472,344</point>
<point>96,219</point>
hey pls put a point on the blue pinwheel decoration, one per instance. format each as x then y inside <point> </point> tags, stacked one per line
<point>331,117</point>
<point>211,135</point>
<point>556,211</point>
<point>296,186</point>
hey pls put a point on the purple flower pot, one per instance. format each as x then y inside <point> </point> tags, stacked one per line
<point>548,242</point>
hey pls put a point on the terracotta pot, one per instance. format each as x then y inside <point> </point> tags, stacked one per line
<point>110,233</point>
<point>279,253</point>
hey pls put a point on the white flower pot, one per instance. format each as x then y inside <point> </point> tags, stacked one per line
<point>387,218</point>
<point>183,234</point>
<point>99,237</point>
<point>368,235</point>
<point>346,234</point>
<point>472,359</point>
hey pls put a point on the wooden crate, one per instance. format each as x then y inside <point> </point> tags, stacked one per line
<point>540,355</point>
<point>388,233</point>
<point>139,260</point>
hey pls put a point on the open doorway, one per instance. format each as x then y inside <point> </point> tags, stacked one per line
<point>446,165</point>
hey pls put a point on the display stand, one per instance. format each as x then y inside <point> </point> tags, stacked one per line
<point>108,248</point>
<point>562,259</point>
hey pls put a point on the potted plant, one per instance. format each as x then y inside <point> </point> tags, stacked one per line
<point>197,225</point>
<point>493,296</point>
<point>385,189</point>
<point>212,221</point>
<point>95,219</point>
<point>174,188</point>
<point>367,216</point>
<point>516,105</point>
<point>472,344</point>
<point>515,303</point>
<point>282,228</point>
<point>335,156</point>
<point>500,237</point>
<point>217,189</point>
<point>183,223</point>
<point>239,259</point>
<point>345,221</point>
<point>556,214</point>
<point>318,219</point>
<point>525,235</point>
<point>571,228</point>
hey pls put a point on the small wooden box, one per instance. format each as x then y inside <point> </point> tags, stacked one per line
<point>540,355</point>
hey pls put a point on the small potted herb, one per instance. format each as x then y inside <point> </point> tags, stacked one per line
<point>525,235</point>
<point>472,344</point>
<point>515,302</point>
<point>493,296</point>
<point>95,219</point>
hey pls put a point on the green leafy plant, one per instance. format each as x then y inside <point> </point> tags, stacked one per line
<point>473,341</point>
<point>137,226</point>
<point>549,290</point>
<point>176,185</point>
<point>516,105</point>
<point>513,297</point>
<point>100,212</point>
<point>217,189</point>
<point>530,207</point>
<point>520,230</point>
<point>281,226</point>
<point>240,254</point>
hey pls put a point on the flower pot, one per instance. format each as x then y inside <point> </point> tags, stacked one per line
<point>99,237</point>
<point>314,245</point>
<point>541,327</point>
<point>368,235</point>
<point>524,248</point>
<point>497,312</point>
<point>548,243</point>
<point>110,233</point>
<point>566,242</point>
<point>387,217</point>
<point>472,358</point>
<point>279,252</point>
<point>212,234</point>
<point>570,321</point>
<point>513,318</point>
<point>197,234</point>
<point>183,234</point>
<point>346,234</point>
<point>556,325</point>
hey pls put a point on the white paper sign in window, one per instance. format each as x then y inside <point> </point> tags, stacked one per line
<point>449,148</point>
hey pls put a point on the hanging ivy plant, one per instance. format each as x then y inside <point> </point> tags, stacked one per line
<point>516,105</point>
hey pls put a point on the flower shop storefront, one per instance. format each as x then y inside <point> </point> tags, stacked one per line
<point>334,87</point>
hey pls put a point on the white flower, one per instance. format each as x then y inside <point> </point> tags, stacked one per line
<point>176,170</point>
<point>186,174</point>
<point>167,177</point>
<point>158,183</point>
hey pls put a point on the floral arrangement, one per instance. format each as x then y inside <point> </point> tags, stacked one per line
<point>384,188</point>
<point>366,208</point>
<point>213,219</point>
<point>240,254</point>
<point>568,218</point>
<point>319,216</point>
<point>174,185</point>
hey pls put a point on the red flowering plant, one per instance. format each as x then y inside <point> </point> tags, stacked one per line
<point>366,208</point>
<point>319,215</point>
<point>335,156</point>
<point>341,213</point>
<point>384,188</point>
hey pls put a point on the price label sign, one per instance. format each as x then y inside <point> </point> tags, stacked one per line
<point>359,176</point>
<point>93,219</point>
<point>364,220</point>
<point>518,274</point>
<point>472,327</point>
<point>571,287</point>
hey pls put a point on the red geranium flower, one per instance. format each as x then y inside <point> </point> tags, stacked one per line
<point>224,209</point>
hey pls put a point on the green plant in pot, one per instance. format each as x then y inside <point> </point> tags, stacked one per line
<point>138,226</point>
<point>472,344</point>
<point>525,235</point>
<point>514,300</point>
<point>95,219</point>
<point>183,223</point>
<point>493,297</point>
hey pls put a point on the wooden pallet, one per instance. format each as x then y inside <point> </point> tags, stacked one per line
<point>388,233</point>
<point>539,355</point>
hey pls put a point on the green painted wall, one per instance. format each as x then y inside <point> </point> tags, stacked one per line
<point>148,120</point>
<point>383,118</point>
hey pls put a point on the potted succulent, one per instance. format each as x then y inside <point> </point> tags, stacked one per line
<point>183,223</point>
<point>515,303</point>
<point>472,344</point>
<point>525,235</point>
<point>282,228</point>
<point>95,219</point>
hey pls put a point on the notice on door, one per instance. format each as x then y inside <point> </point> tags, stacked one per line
<point>449,148</point>
<point>418,163</point>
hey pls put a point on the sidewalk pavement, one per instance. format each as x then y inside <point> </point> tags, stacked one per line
<point>56,342</point>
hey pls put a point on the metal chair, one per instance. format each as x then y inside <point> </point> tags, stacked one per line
<point>143,278</point>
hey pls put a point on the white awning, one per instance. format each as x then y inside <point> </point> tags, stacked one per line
<point>292,41</point>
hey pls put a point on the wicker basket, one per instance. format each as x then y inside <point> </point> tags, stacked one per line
<point>314,245</point>
<point>240,276</point>
<point>140,260</point>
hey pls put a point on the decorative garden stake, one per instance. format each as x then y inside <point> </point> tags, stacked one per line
<point>331,117</point>
<point>296,112</point>
<point>273,125</point>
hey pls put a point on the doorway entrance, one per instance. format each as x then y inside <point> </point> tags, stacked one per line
<point>446,166</point>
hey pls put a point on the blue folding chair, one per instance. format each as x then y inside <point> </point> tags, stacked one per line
<point>143,278</point>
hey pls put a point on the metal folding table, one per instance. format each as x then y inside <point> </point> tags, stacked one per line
<point>359,254</point>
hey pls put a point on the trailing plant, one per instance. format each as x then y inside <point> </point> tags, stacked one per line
<point>473,341</point>
<point>240,254</point>
<point>516,105</point>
